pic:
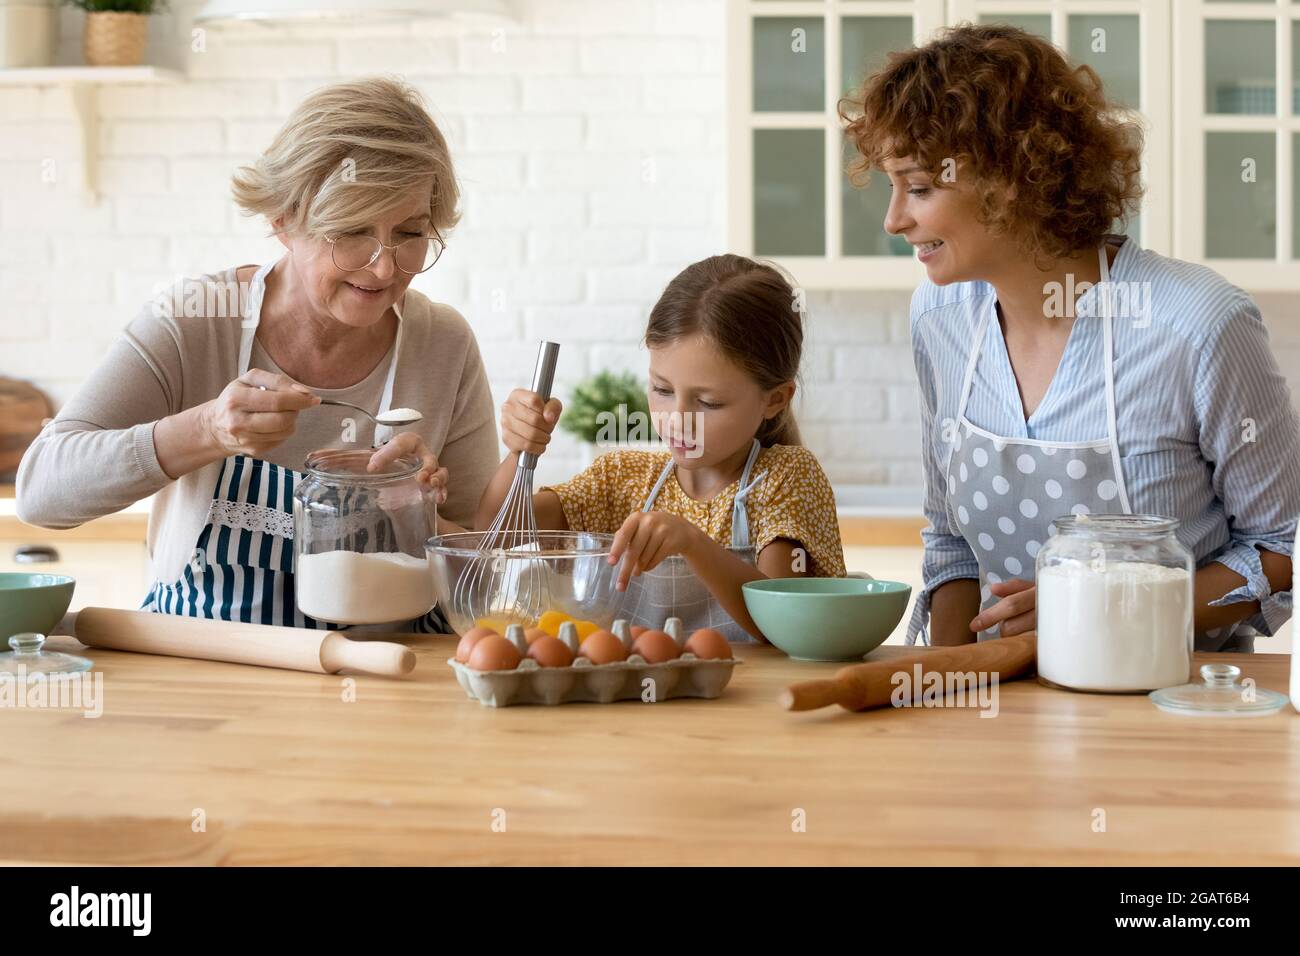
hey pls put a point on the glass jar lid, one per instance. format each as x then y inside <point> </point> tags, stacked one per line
<point>1220,695</point>
<point>1116,525</point>
<point>345,464</point>
<point>27,659</point>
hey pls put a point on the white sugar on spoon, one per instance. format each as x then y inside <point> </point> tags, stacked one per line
<point>394,417</point>
<point>399,416</point>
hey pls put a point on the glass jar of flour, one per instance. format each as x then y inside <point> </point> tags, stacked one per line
<point>359,539</point>
<point>1114,604</point>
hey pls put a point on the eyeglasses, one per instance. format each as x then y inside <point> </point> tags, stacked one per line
<point>412,256</point>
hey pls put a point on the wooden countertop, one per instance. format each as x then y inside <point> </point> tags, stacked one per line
<point>411,772</point>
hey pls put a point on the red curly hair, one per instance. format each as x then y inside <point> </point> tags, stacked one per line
<point>1014,113</point>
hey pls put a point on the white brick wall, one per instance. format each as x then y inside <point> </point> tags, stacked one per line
<point>589,142</point>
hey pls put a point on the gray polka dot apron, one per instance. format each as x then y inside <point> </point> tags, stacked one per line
<point>1004,493</point>
<point>672,589</point>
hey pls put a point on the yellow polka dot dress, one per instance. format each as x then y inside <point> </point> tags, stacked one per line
<point>793,502</point>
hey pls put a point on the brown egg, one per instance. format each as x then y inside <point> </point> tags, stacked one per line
<point>534,634</point>
<point>708,644</point>
<point>472,637</point>
<point>494,653</point>
<point>655,646</point>
<point>638,630</point>
<point>550,652</point>
<point>602,647</point>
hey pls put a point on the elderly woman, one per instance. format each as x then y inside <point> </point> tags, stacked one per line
<point>211,402</point>
<point>1009,168</point>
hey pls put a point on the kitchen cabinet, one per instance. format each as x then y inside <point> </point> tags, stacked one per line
<point>1237,109</point>
<point>1216,84</point>
<point>790,199</point>
<point>1128,44</point>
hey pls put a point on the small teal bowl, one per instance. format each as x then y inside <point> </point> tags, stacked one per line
<point>826,619</point>
<point>32,603</point>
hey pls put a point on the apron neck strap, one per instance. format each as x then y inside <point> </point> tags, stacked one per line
<point>252,316</point>
<point>739,515</point>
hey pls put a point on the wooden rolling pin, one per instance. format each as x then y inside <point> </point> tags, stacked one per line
<point>870,685</point>
<point>292,648</point>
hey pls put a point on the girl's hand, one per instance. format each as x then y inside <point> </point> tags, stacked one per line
<point>405,444</point>
<point>1016,612</point>
<point>527,423</point>
<point>647,537</point>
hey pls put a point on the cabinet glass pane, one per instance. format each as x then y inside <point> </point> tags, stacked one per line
<point>1295,195</point>
<point>1240,66</point>
<point>1037,23</point>
<point>1110,46</point>
<point>789,192</point>
<point>1295,68</point>
<point>1240,195</point>
<point>789,72</point>
<point>865,44</point>
<point>862,212</point>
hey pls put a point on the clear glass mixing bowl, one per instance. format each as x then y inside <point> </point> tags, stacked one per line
<point>567,571</point>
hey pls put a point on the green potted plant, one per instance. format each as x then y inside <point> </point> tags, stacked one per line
<point>116,30</point>
<point>607,410</point>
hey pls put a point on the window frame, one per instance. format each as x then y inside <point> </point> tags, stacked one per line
<point>1282,272</point>
<point>832,270</point>
<point>1162,76</point>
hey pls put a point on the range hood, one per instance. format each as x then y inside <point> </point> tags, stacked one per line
<point>299,11</point>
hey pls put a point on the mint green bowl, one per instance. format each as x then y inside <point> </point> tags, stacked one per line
<point>826,619</point>
<point>32,603</point>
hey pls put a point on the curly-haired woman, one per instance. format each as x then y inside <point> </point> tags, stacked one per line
<point>1041,395</point>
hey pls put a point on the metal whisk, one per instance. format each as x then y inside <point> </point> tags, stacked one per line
<point>500,583</point>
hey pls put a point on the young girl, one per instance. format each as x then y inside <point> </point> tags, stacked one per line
<point>736,498</point>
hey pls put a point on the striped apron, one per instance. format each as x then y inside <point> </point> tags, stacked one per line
<point>242,565</point>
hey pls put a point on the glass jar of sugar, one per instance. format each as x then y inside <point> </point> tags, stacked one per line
<point>359,540</point>
<point>1114,604</point>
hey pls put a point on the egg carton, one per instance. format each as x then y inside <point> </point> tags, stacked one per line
<point>585,682</point>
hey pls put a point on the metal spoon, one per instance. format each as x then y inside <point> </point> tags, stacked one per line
<point>384,419</point>
<point>381,419</point>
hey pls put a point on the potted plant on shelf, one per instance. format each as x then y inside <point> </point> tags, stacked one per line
<point>116,30</point>
<point>610,410</point>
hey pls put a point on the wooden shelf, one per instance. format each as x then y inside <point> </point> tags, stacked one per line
<point>82,83</point>
<point>98,75</point>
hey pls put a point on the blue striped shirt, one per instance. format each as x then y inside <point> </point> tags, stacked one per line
<point>1206,429</point>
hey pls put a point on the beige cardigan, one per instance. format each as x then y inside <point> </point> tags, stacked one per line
<point>97,456</point>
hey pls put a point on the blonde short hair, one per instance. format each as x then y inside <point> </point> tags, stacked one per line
<point>348,154</point>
